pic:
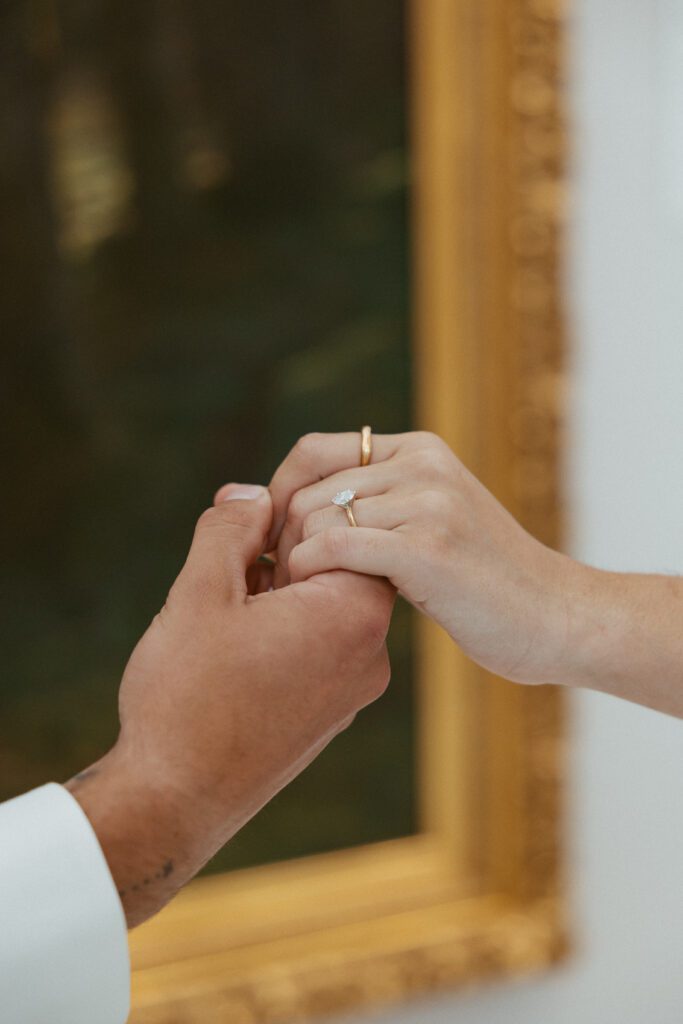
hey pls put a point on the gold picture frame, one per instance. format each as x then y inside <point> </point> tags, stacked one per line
<point>478,891</point>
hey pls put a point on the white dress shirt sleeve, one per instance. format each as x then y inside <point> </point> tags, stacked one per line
<point>63,939</point>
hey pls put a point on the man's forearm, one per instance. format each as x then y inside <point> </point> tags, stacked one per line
<point>625,636</point>
<point>143,839</point>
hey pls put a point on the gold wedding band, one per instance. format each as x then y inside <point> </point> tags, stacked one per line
<point>345,500</point>
<point>365,446</point>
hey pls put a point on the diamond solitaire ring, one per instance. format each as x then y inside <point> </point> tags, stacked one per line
<point>345,500</point>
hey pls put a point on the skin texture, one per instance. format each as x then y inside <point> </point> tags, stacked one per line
<point>236,687</point>
<point>226,698</point>
<point>516,607</point>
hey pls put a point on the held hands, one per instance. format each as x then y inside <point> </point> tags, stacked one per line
<point>236,686</point>
<point>428,525</point>
<point>226,698</point>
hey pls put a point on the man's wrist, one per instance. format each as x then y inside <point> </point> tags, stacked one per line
<point>142,832</point>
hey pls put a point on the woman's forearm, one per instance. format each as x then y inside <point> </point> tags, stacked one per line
<point>625,636</point>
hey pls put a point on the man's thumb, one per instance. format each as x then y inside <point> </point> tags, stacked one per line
<point>228,539</point>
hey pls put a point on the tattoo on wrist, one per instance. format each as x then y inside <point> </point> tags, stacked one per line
<point>160,875</point>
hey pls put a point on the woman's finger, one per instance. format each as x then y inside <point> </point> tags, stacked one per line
<point>366,482</point>
<point>384,512</point>
<point>317,456</point>
<point>364,550</point>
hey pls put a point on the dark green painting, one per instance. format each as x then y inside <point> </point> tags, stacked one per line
<point>205,255</point>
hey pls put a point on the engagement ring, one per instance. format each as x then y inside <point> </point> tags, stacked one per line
<point>345,500</point>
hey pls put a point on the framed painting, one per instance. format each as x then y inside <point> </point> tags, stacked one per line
<point>224,230</point>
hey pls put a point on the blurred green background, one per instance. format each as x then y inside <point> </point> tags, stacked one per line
<point>205,255</point>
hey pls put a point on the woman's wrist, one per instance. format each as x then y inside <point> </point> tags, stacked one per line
<point>588,624</point>
<point>560,620</point>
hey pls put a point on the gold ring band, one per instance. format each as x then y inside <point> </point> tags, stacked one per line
<point>365,446</point>
<point>350,516</point>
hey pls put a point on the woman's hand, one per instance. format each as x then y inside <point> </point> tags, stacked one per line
<point>451,549</point>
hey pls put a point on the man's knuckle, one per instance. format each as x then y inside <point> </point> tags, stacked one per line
<point>376,628</point>
<point>377,679</point>
<point>368,624</point>
<point>233,517</point>
<point>383,675</point>
<point>347,722</point>
<point>207,519</point>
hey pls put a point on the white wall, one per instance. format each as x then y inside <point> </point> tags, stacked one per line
<point>626,490</point>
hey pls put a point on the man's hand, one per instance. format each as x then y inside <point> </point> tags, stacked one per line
<point>226,698</point>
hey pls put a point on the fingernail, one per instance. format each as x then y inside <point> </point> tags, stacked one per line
<point>243,492</point>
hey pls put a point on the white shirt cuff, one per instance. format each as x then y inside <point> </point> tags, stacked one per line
<point>63,939</point>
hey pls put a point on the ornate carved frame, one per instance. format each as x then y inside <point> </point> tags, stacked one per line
<point>477,893</point>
